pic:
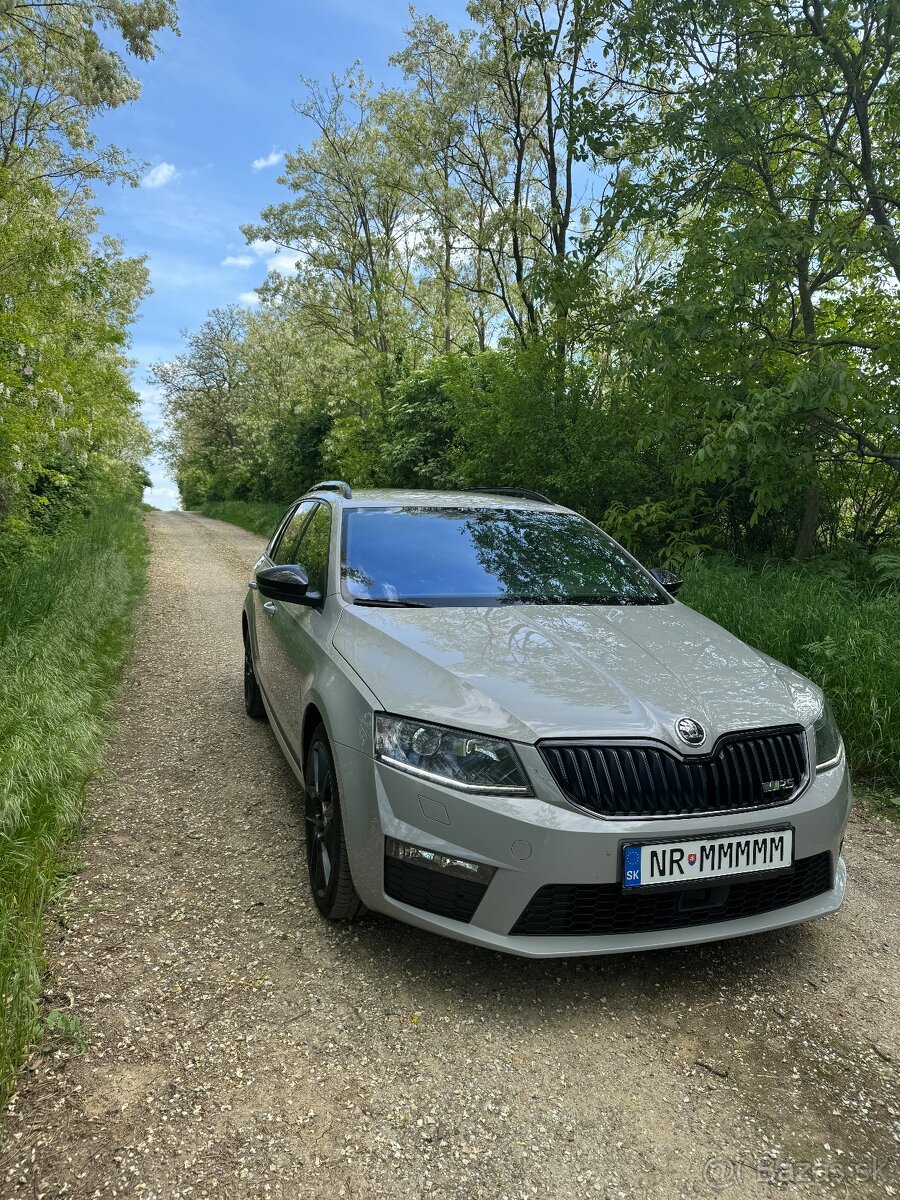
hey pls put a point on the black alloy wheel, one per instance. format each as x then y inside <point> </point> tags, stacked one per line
<point>253,701</point>
<point>326,851</point>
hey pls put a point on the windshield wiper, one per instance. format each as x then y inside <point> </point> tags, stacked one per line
<point>609,601</point>
<point>371,602</point>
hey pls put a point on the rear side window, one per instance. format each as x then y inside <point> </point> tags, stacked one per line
<point>312,553</point>
<point>285,547</point>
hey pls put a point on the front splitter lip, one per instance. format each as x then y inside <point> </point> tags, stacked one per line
<point>574,947</point>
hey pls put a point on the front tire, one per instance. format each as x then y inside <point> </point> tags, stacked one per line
<point>253,701</point>
<point>326,851</point>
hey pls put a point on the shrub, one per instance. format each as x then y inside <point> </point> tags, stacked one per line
<point>835,622</point>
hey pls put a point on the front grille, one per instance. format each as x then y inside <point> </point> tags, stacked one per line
<point>652,780</point>
<point>581,910</point>
<point>445,895</point>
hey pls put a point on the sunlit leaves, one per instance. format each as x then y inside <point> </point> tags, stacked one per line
<point>70,434</point>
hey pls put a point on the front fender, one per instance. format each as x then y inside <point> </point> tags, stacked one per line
<point>345,703</point>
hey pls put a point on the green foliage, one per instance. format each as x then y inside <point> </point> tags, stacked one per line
<point>249,514</point>
<point>59,1021</point>
<point>835,621</point>
<point>58,72</point>
<point>69,430</point>
<point>248,408</point>
<point>70,434</point>
<point>65,624</point>
<point>72,545</point>
<point>769,348</point>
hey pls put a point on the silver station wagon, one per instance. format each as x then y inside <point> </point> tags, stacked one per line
<point>511,733</point>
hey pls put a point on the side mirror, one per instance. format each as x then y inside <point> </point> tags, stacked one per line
<point>289,583</point>
<point>667,579</point>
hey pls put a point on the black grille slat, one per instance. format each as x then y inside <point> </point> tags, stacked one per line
<point>606,773</point>
<point>589,759</point>
<point>798,756</point>
<point>584,910</point>
<point>629,770</point>
<point>746,773</point>
<point>650,780</point>
<point>576,764</point>
<point>658,773</point>
<point>768,751</point>
<point>619,771</point>
<point>670,766</point>
<point>715,767</point>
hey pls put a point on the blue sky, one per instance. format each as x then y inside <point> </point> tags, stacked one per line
<point>214,116</point>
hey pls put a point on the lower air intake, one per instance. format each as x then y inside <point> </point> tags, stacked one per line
<point>444,895</point>
<point>584,910</point>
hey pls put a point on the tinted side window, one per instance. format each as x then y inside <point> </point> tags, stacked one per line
<point>312,553</point>
<point>285,549</point>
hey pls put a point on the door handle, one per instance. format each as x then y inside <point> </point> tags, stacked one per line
<point>270,606</point>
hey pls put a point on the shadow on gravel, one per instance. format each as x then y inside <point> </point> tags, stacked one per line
<point>744,1015</point>
<point>703,974</point>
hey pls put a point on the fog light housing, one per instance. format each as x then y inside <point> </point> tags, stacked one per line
<point>433,860</point>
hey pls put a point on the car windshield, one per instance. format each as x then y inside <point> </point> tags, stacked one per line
<point>485,556</point>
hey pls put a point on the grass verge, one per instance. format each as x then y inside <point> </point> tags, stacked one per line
<point>65,626</point>
<point>248,514</point>
<point>840,630</point>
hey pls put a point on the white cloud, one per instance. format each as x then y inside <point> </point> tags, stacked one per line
<point>268,160</point>
<point>159,175</point>
<point>276,258</point>
<point>283,263</point>
<point>249,298</point>
<point>163,491</point>
<point>238,260</point>
<point>151,397</point>
<point>164,496</point>
<point>182,273</point>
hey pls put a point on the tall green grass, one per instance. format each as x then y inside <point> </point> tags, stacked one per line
<point>65,624</point>
<point>248,514</point>
<point>837,623</point>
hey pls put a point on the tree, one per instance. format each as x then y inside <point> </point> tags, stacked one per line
<point>351,227</point>
<point>778,327</point>
<point>57,75</point>
<point>204,396</point>
<point>639,255</point>
<point>69,428</point>
<point>70,433</point>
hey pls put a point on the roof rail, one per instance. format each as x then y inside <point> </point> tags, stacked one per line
<point>332,485</point>
<point>523,493</point>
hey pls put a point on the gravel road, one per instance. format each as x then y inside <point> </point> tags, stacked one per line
<point>238,1046</point>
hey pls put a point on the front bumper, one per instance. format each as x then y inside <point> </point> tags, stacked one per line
<point>542,842</point>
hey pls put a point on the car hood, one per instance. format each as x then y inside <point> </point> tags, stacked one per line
<point>532,671</point>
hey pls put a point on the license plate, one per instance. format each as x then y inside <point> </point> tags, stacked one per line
<point>656,863</point>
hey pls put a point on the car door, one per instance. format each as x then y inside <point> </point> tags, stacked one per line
<point>300,629</point>
<point>281,551</point>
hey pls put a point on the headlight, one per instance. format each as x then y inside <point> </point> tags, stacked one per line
<point>828,740</point>
<point>469,761</point>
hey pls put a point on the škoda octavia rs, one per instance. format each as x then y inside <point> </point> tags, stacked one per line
<point>511,733</point>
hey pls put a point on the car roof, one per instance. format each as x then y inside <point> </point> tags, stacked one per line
<point>408,497</point>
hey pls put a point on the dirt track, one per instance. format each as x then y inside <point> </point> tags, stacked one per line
<point>238,1046</point>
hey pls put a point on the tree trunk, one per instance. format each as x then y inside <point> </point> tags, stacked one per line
<point>448,298</point>
<point>809,524</point>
